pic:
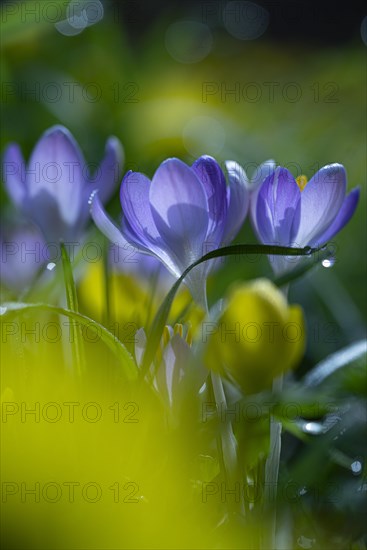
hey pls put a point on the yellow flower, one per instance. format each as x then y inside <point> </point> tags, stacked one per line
<point>133,301</point>
<point>258,336</point>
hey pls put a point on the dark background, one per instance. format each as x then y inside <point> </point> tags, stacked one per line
<point>321,23</point>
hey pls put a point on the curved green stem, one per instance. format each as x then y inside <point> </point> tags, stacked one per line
<point>226,441</point>
<point>272,467</point>
<point>272,473</point>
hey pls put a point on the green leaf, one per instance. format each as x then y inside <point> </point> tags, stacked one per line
<point>71,295</point>
<point>340,366</point>
<point>127,363</point>
<point>77,348</point>
<point>237,249</point>
<point>300,270</point>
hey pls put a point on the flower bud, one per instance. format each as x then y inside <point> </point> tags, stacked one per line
<point>258,336</point>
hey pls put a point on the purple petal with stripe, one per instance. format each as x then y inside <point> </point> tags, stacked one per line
<point>213,180</point>
<point>134,196</point>
<point>342,218</point>
<point>138,224</point>
<point>263,171</point>
<point>321,199</point>
<point>278,209</point>
<point>180,210</point>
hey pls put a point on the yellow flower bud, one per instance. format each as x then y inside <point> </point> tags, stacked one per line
<point>258,336</point>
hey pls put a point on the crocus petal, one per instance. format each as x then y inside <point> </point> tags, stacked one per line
<point>44,212</point>
<point>14,174</point>
<point>176,360</point>
<point>238,199</point>
<point>56,167</point>
<point>134,196</point>
<point>236,172</point>
<point>264,170</point>
<point>213,180</point>
<point>145,238</point>
<point>168,374</point>
<point>342,218</point>
<point>180,210</point>
<point>18,270</point>
<point>152,249</point>
<point>321,199</point>
<point>109,171</point>
<point>278,208</point>
<point>104,223</point>
<point>193,375</point>
<point>140,345</point>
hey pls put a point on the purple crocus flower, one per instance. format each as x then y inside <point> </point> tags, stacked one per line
<point>178,216</point>
<point>22,255</point>
<point>52,190</point>
<point>294,212</point>
<point>253,184</point>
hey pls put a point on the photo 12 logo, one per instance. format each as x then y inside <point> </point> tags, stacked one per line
<point>269,92</point>
<point>71,412</point>
<point>69,92</point>
<point>70,492</point>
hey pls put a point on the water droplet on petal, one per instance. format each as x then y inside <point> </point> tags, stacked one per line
<point>50,266</point>
<point>328,262</point>
<point>92,195</point>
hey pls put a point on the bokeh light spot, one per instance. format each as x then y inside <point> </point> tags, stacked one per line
<point>188,41</point>
<point>204,134</point>
<point>245,20</point>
